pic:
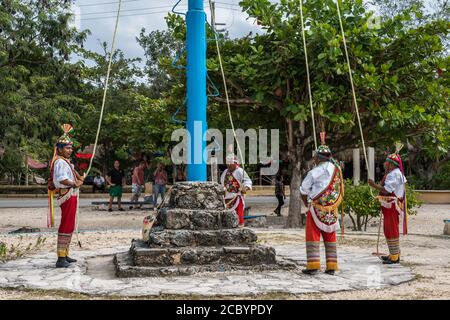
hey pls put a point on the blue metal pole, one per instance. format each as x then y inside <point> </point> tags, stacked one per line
<point>196,89</point>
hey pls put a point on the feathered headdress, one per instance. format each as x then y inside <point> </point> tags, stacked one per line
<point>323,151</point>
<point>395,158</point>
<point>66,138</point>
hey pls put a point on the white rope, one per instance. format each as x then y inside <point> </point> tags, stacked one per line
<point>307,75</point>
<point>105,90</point>
<point>226,91</point>
<point>357,113</point>
<point>353,87</point>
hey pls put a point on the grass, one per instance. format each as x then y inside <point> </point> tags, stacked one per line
<point>19,250</point>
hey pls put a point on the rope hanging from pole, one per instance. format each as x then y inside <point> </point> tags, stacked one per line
<point>225,88</point>
<point>105,90</point>
<point>355,102</point>
<point>307,75</point>
<point>357,115</point>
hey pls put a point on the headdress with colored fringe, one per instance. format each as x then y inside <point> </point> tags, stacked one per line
<point>323,151</point>
<point>395,158</point>
<point>66,138</point>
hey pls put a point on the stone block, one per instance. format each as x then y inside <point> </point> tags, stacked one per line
<point>126,269</point>
<point>197,195</point>
<point>163,257</point>
<point>185,238</point>
<point>197,219</point>
<point>447,228</point>
<point>236,249</point>
<point>260,222</point>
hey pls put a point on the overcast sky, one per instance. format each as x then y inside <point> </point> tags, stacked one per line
<point>99,17</point>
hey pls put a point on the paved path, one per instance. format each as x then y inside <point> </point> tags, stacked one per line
<point>43,202</point>
<point>94,274</point>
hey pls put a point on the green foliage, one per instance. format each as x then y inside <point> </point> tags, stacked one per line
<point>39,85</point>
<point>439,181</point>
<point>160,48</point>
<point>412,201</point>
<point>19,249</point>
<point>359,204</point>
<point>394,69</point>
<point>395,65</point>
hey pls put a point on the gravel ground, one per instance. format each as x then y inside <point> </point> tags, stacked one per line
<point>425,250</point>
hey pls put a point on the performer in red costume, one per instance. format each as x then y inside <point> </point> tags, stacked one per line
<point>65,182</point>
<point>392,198</point>
<point>322,191</point>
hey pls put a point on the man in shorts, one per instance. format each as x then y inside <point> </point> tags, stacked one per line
<point>116,179</point>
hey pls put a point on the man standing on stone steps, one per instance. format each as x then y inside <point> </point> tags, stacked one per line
<point>322,191</point>
<point>236,182</point>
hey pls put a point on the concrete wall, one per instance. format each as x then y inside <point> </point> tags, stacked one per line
<point>434,196</point>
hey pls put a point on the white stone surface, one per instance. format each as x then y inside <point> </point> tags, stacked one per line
<point>358,270</point>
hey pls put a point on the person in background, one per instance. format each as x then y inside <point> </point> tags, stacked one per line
<point>116,179</point>
<point>99,183</point>
<point>138,183</point>
<point>279,193</point>
<point>159,187</point>
<point>181,176</point>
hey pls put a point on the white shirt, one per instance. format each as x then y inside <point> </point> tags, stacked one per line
<point>317,179</point>
<point>395,182</point>
<point>241,176</point>
<point>99,181</point>
<point>62,171</point>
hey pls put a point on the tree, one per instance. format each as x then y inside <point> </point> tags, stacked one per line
<point>394,69</point>
<point>39,85</point>
<point>160,48</point>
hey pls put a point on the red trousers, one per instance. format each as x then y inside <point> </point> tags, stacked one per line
<point>240,211</point>
<point>67,226</point>
<point>312,234</point>
<point>391,220</point>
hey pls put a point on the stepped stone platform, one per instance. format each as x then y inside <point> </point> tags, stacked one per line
<point>195,233</point>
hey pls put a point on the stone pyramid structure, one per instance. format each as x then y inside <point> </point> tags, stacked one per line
<point>196,233</point>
